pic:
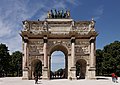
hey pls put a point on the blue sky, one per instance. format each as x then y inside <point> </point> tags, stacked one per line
<point>57,60</point>
<point>105,12</point>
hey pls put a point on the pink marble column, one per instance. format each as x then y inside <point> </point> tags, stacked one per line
<point>25,68</point>
<point>45,52</point>
<point>45,55</point>
<point>25,55</point>
<point>73,68</point>
<point>92,53</point>
<point>45,69</point>
<point>73,51</point>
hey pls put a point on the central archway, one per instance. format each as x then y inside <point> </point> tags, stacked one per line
<point>61,72</point>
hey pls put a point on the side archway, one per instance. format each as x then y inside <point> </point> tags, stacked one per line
<point>81,69</point>
<point>36,68</point>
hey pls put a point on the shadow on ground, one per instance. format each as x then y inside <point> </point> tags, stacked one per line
<point>102,78</point>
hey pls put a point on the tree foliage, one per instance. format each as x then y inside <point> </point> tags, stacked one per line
<point>10,65</point>
<point>16,63</point>
<point>4,59</point>
<point>108,59</point>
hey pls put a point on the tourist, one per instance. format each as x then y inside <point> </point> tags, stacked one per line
<point>36,79</point>
<point>114,78</point>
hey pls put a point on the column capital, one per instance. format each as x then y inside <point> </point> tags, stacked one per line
<point>92,39</point>
<point>45,39</point>
<point>25,39</point>
<point>72,39</point>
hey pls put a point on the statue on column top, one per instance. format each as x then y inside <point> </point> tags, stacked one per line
<point>25,25</point>
<point>68,14</point>
<point>58,14</point>
<point>92,23</point>
<point>52,14</point>
<point>48,14</point>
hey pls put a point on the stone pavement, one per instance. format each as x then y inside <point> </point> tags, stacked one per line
<point>19,81</point>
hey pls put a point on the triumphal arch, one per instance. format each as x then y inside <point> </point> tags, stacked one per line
<point>59,32</point>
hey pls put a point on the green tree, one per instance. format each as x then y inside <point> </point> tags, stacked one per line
<point>60,72</point>
<point>4,60</point>
<point>99,60</point>
<point>16,63</point>
<point>108,59</point>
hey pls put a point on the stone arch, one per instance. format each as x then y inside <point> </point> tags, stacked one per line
<point>36,68</point>
<point>58,47</point>
<point>64,49</point>
<point>81,68</point>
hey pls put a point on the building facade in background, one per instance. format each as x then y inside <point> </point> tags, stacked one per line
<point>59,32</point>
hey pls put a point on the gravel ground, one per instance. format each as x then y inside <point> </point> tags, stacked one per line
<point>19,81</point>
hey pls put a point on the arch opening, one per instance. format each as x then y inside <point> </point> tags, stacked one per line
<point>36,68</point>
<point>81,69</point>
<point>58,62</point>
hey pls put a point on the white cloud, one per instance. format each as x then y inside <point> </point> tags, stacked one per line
<point>11,16</point>
<point>58,5</point>
<point>74,2</point>
<point>13,12</point>
<point>98,12</point>
<point>4,29</point>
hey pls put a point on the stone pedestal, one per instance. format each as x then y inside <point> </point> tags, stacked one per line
<point>92,73</point>
<point>73,73</point>
<point>45,74</point>
<point>25,74</point>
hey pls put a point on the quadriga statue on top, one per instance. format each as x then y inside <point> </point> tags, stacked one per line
<point>54,14</point>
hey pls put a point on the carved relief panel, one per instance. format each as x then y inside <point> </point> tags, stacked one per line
<point>65,42</point>
<point>36,27</point>
<point>82,47</point>
<point>83,27</point>
<point>35,47</point>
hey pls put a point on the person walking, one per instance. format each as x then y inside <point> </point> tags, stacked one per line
<point>114,78</point>
<point>36,79</point>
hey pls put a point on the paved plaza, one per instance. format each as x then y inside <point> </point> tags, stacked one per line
<point>19,81</point>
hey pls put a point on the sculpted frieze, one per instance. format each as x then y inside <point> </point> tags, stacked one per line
<point>67,43</point>
<point>32,48</point>
<point>62,42</point>
<point>79,42</point>
<point>81,50</point>
<point>59,25</point>
<point>82,57</point>
<point>35,47</point>
<point>36,42</point>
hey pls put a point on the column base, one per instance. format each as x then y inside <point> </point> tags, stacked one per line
<point>25,74</point>
<point>45,74</point>
<point>73,73</point>
<point>92,73</point>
